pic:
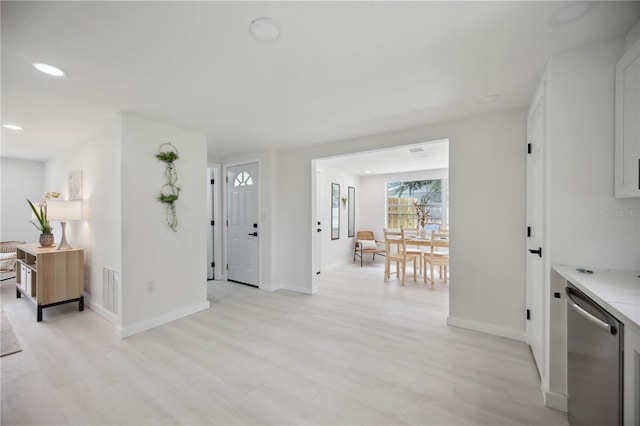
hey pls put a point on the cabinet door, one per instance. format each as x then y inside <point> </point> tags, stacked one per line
<point>26,283</point>
<point>627,116</point>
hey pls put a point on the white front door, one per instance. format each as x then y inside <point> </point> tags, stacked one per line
<point>242,229</point>
<point>535,218</point>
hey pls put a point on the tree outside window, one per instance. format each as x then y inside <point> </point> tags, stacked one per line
<point>401,212</point>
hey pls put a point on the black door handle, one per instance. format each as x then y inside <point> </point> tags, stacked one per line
<point>538,252</point>
<point>318,230</point>
<point>255,234</point>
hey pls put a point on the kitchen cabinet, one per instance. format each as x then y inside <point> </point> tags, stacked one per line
<point>627,124</point>
<point>631,378</point>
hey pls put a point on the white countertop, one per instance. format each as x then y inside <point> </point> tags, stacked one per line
<point>616,291</point>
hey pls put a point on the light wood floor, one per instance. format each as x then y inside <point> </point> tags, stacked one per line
<point>360,352</point>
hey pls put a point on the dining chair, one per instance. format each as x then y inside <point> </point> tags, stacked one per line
<point>366,243</point>
<point>401,256</point>
<point>437,258</point>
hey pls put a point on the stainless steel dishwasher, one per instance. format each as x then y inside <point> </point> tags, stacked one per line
<point>594,362</point>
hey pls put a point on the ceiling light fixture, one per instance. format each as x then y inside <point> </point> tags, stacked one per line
<point>367,171</point>
<point>571,12</point>
<point>12,126</point>
<point>49,69</point>
<point>489,99</point>
<point>265,30</point>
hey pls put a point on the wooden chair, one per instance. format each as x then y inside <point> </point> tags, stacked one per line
<point>401,256</point>
<point>411,250</point>
<point>435,258</point>
<point>361,248</point>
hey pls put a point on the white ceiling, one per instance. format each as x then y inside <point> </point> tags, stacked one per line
<point>339,69</point>
<point>424,156</point>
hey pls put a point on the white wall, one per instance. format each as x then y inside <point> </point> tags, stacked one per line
<point>99,231</point>
<point>174,263</point>
<point>632,36</point>
<point>19,180</point>
<point>586,225</point>
<point>337,252</point>
<point>374,196</point>
<point>487,165</point>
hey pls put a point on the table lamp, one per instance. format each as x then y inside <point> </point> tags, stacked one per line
<point>64,211</point>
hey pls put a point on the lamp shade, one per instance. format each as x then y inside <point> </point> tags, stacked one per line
<point>64,210</point>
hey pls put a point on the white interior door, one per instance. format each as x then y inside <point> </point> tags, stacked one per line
<point>536,229</point>
<point>318,224</point>
<point>210,225</point>
<point>242,227</point>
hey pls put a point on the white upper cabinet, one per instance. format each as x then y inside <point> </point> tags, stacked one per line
<point>627,116</point>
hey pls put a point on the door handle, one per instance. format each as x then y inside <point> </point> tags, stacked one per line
<point>318,230</point>
<point>255,234</point>
<point>538,252</point>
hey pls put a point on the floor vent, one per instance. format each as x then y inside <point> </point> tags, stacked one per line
<point>110,290</point>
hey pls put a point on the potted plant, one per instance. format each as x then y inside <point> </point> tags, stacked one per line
<point>46,237</point>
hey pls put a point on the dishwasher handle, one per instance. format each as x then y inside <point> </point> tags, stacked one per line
<point>597,321</point>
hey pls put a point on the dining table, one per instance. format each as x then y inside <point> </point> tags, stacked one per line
<point>417,241</point>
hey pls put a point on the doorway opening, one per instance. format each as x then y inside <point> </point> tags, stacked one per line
<point>369,177</point>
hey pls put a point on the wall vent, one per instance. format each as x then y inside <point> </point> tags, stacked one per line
<point>110,290</point>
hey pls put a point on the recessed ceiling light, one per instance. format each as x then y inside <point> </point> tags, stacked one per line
<point>367,171</point>
<point>489,99</point>
<point>12,126</point>
<point>265,30</point>
<point>571,11</point>
<point>49,69</point>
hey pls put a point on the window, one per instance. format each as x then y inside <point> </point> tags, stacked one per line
<point>243,179</point>
<point>401,212</point>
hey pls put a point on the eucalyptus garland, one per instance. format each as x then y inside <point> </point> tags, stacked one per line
<point>169,192</point>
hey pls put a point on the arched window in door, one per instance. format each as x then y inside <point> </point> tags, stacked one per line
<point>243,179</point>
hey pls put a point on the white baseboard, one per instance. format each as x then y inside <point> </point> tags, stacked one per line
<point>123,332</point>
<point>555,401</point>
<point>109,316</point>
<point>484,327</point>
<point>297,289</point>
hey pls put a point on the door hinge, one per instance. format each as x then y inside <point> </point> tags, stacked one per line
<point>213,264</point>
<point>528,314</point>
<point>227,222</point>
<point>227,179</point>
<point>528,148</point>
<point>227,266</point>
<point>213,223</point>
<point>528,231</point>
<point>213,182</point>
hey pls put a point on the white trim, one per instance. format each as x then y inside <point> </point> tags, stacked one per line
<point>216,197</point>
<point>485,327</point>
<point>161,320</point>
<point>555,401</point>
<point>109,316</point>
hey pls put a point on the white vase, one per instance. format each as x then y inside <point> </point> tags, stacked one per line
<point>423,233</point>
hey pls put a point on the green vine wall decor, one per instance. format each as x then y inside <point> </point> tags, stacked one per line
<point>170,192</point>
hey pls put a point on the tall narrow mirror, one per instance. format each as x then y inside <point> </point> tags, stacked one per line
<point>352,212</point>
<point>335,211</point>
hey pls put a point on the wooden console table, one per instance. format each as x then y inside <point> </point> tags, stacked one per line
<point>50,277</point>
